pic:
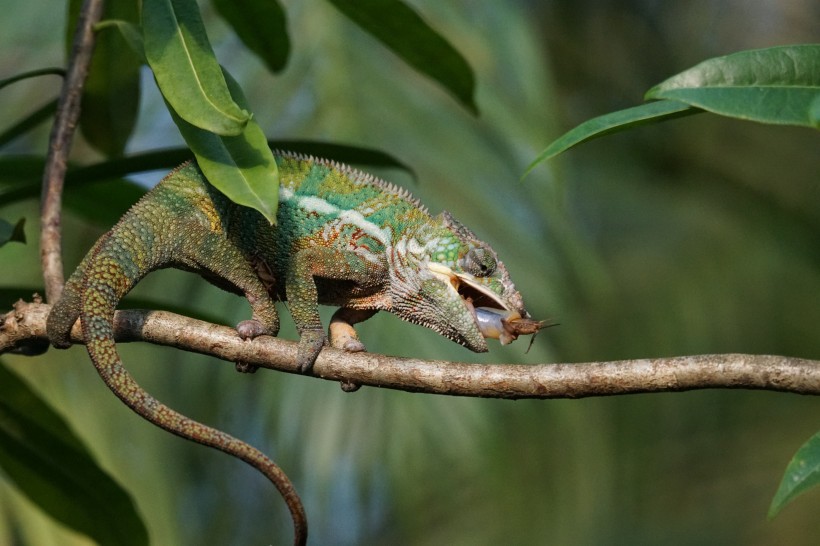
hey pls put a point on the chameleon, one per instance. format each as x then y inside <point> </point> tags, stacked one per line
<point>343,238</point>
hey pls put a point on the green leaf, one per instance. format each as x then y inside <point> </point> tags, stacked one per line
<point>185,68</point>
<point>8,295</point>
<point>21,176</point>
<point>775,85</point>
<point>130,32</point>
<point>344,153</point>
<point>651,112</point>
<point>802,473</point>
<point>814,112</point>
<point>51,466</point>
<point>260,24</point>
<point>242,167</point>
<point>32,74</point>
<point>28,123</point>
<point>111,97</point>
<point>12,232</point>
<point>401,29</point>
<point>120,195</point>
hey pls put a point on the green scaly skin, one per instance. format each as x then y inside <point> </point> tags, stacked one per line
<point>342,238</point>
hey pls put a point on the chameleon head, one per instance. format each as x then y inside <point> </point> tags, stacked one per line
<point>458,288</point>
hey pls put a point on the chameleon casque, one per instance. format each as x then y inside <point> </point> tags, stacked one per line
<point>342,238</point>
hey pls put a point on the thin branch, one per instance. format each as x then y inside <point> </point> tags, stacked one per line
<point>24,328</point>
<point>62,133</point>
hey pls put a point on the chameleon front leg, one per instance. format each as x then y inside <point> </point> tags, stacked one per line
<point>302,295</point>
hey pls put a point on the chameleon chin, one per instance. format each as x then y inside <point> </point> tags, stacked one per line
<point>342,238</point>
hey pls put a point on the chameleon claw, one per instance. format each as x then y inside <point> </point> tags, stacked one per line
<point>310,344</point>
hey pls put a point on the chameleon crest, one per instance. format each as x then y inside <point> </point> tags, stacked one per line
<point>343,238</point>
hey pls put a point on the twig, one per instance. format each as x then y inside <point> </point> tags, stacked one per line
<point>62,133</point>
<point>26,327</point>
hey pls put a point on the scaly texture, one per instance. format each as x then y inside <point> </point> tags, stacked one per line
<point>343,238</point>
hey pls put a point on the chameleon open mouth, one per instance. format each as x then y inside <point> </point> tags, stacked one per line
<point>492,317</point>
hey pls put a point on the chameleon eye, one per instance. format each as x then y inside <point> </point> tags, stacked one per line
<point>479,262</point>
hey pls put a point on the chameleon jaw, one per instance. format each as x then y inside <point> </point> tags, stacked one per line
<point>493,318</point>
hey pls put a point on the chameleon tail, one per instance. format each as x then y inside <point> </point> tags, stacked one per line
<point>106,282</point>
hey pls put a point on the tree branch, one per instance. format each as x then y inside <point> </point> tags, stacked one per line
<point>62,133</point>
<point>24,330</point>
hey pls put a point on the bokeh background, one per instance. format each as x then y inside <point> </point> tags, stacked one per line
<point>699,235</point>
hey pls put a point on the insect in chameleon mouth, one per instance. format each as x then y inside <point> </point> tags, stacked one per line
<point>492,316</point>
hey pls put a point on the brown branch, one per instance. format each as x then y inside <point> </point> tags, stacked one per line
<point>62,133</point>
<point>25,328</point>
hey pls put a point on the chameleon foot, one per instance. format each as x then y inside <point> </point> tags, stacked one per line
<point>249,329</point>
<point>342,334</point>
<point>310,344</point>
<point>244,367</point>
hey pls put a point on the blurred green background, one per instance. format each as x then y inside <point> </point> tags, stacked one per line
<point>698,235</point>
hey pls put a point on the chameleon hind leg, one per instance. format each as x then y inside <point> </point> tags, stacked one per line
<point>243,276</point>
<point>66,310</point>
<point>342,334</point>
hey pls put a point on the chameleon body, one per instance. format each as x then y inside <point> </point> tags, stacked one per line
<point>343,238</point>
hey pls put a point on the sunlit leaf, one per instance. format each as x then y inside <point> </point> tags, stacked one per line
<point>185,68</point>
<point>111,95</point>
<point>242,167</point>
<point>802,473</point>
<point>775,85</point>
<point>12,232</point>
<point>401,29</point>
<point>613,122</point>
<point>260,24</point>
<point>50,465</point>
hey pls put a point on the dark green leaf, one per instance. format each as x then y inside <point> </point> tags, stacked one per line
<point>130,32</point>
<point>8,295</point>
<point>20,177</point>
<point>613,122</point>
<point>120,195</point>
<point>111,96</point>
<point>260,24</point>
<point>402,30</point>
<point>32,74</point>
<point>774,85</point>
<point>16,393</point>
<point>28,123</point>
<point>802,473</point>
<point>50,465</point>
<point>242,167</point>
<point>354,155</point>
<point>185,68</point>
<point>12,232</point>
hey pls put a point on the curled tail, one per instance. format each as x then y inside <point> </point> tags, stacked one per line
<point>108,273</point>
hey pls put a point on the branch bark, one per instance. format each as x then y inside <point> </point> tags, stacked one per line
<point>62,133</point>
<point>24,330</point>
